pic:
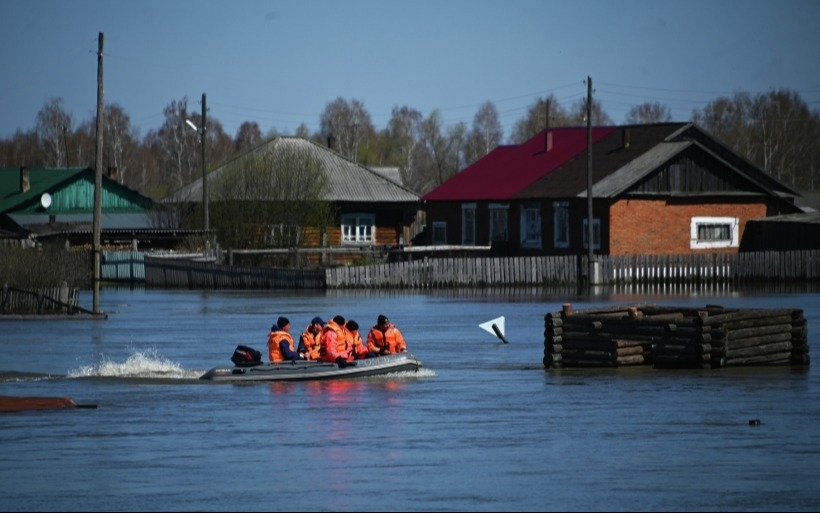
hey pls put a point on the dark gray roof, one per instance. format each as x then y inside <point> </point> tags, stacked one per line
<point>643,165</point>
<point>348,181</point>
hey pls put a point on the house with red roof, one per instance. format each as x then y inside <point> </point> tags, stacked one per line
<point>666,188</point>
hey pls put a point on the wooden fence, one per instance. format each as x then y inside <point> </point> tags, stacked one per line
<point>41,301</point>
<point>703,270</point>
<point>178,273</point>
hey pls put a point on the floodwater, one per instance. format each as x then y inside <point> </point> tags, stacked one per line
<point>482,427</point>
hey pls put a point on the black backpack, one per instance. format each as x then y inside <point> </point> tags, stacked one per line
<point>244,356</point>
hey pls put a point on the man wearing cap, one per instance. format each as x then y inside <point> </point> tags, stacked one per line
<point>358,347</point>
<point>385,338</point>
<point>310,343</point>
<point>280,343</point>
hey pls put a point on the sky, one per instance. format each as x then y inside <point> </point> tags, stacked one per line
<point>279,63</point>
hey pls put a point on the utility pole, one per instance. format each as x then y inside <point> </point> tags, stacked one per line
<point>203,139</point>
<point>591,272</point>
<point>98,176</point>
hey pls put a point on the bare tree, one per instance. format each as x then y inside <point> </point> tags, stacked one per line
<point>21,150</point>
<point>54,125</point>
<point>348,123</point>
<point>775,130</point>
<point>578,113</point>
<point>404,134</point>
<point>247,136</point>
<point>442,152</point>
<point>486,133</point>
<point>648,113</point>
<point>176,144</point>
<point>120,140</point>
<point>535,120</point>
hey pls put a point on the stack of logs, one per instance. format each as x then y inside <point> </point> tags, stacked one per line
<point>673,337</point>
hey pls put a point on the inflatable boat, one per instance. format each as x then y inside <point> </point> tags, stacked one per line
<point>304,370</point>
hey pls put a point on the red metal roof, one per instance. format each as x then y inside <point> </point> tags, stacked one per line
<point>507,170</point>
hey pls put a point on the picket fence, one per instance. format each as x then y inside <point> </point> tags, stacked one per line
<point>758,267</point>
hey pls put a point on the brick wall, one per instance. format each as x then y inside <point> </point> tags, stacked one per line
<point>660,227</point>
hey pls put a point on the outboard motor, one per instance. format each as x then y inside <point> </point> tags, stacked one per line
<point>244,356</point>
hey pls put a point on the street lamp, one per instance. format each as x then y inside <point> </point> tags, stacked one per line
<point>202,140</point>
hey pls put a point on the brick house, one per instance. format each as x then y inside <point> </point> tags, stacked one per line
<point>666,188</point>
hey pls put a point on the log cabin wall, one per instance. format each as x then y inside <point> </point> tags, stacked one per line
<point>672,337</point>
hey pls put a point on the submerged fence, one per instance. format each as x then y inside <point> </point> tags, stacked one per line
<point>707,269</point>
<point>41,301</point>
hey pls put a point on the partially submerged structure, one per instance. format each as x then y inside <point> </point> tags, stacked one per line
<point>675,337</point>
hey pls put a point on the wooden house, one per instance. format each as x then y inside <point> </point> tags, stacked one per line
<point>55,205</point>
<point>666,188</point>
<point>370,207</point>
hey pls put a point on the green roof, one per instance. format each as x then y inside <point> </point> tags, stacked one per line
<point>70,190</point>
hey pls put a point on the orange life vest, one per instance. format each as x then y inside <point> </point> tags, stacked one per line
<point>274,351</point>
<point>313,344</point>
<point>382,341</point>
<point>332,349</point>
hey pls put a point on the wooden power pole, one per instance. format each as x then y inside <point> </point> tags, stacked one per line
<point>98,176</point>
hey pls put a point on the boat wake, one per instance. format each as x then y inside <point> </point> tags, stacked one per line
<point>141,364</point>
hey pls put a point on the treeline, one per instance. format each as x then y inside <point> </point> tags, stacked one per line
<point>776,131</point>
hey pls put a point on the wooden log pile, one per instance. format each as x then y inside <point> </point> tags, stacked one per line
<point>672,337</point>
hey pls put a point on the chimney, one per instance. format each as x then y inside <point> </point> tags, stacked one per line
<point>548,144</point>
<point>25,181</point>
<point>331,142</point>
<point>625,138</point>
<point>112,173</point>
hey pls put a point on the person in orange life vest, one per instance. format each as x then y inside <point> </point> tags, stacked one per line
<point>358,347</point>
<point>310,343</point>
<point>335,345</point>
<point>385,338</point>
<point>280,342</point>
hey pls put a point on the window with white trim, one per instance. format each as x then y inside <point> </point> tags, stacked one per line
<point>439,233</point>
<point>498,222</point>
<point>358,228</point>
<point>530,226</point>
<point>596,233</point>
<point>560,224</point>
<point>714,232</point>
<point>468,224</point>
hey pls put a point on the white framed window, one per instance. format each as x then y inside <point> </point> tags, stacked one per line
<point>560,224</point>
<point>439,233</point>
<point>358,228</point>
<point>596,233</point>
<point>714,232</point>
<point>498,222</point>
<point>530,226</point>
<point>468,224</point>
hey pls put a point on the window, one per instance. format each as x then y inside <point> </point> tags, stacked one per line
<point>596,233</point>
<point>358,228</point>
<point>714,232</point>
<point>530,226</point>
<point>468,224</point>
<point>560,223</point>
<point>498,223</point>
<point>439,233</point>
<point>281,236</point>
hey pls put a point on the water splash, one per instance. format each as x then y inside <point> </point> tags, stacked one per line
<point>141,364</point>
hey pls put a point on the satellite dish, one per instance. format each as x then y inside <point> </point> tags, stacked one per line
<point>45,200</point>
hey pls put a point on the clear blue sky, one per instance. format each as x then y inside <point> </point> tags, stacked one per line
<point>279,63</point>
